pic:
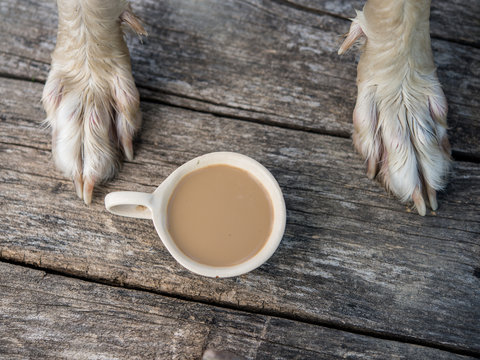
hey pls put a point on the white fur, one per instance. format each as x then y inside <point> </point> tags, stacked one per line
<point>399,118</point>
<point>400,115</point>
<point>90,96</point>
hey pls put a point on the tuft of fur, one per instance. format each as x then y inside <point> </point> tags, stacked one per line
<point>90,97</point>
<point>400,114</point>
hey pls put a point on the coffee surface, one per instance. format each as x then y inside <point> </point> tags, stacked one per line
<point>219,215</point>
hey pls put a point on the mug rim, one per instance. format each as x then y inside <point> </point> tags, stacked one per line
<point>161,197</point>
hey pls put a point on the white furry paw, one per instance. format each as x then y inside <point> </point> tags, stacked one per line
<point>400,115</point>
<point>90,97</point>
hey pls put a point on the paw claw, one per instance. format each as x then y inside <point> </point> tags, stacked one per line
<point>432,198</point>
<point>371,168</point>
<point>88,190</point>
<point>128,148</point>
<point>419,202</point>
<point>353,35</point>
<point>133,21</point>
<point>78,183</point>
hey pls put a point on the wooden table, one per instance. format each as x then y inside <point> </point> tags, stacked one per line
<point>358,275</point>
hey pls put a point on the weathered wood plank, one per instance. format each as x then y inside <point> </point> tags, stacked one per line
<point>51,316</point>
<point>257,59</point>
<point>452,20</point>
<point>351,255</point>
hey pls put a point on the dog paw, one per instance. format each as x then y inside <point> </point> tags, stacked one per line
<point>400,115</point>
<point>90,97</point>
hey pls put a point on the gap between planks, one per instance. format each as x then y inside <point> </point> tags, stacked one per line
<point>247,309</point>
<point>324,12</point>
<point>460,156</point>
<point>292,209</point>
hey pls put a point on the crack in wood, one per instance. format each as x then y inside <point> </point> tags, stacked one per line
<point>275,314</point>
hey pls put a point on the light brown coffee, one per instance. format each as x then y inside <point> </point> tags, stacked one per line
<point>219,215</point>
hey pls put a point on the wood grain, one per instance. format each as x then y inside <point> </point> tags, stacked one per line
<point>261,60</point>
<point>451,20</point>
<point>351,257</point>
<point>46,316</point>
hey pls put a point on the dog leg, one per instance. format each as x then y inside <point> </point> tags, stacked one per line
<point>400,115</point>
<point>90,97</point>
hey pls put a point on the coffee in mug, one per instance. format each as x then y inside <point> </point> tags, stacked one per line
<point>219,215</point>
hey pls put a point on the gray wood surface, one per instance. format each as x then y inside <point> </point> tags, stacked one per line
<point>352,257</point>
<point>266,61</point>
<point>46,316</point>
<point>262,78</point>
<point>456,21</point>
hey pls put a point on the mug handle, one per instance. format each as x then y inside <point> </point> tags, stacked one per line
<point>130,203</point>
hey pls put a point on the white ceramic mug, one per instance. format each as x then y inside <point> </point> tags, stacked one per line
<point>154,206</point>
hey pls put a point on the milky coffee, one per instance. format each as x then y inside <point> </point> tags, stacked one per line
<point>219,215</point>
